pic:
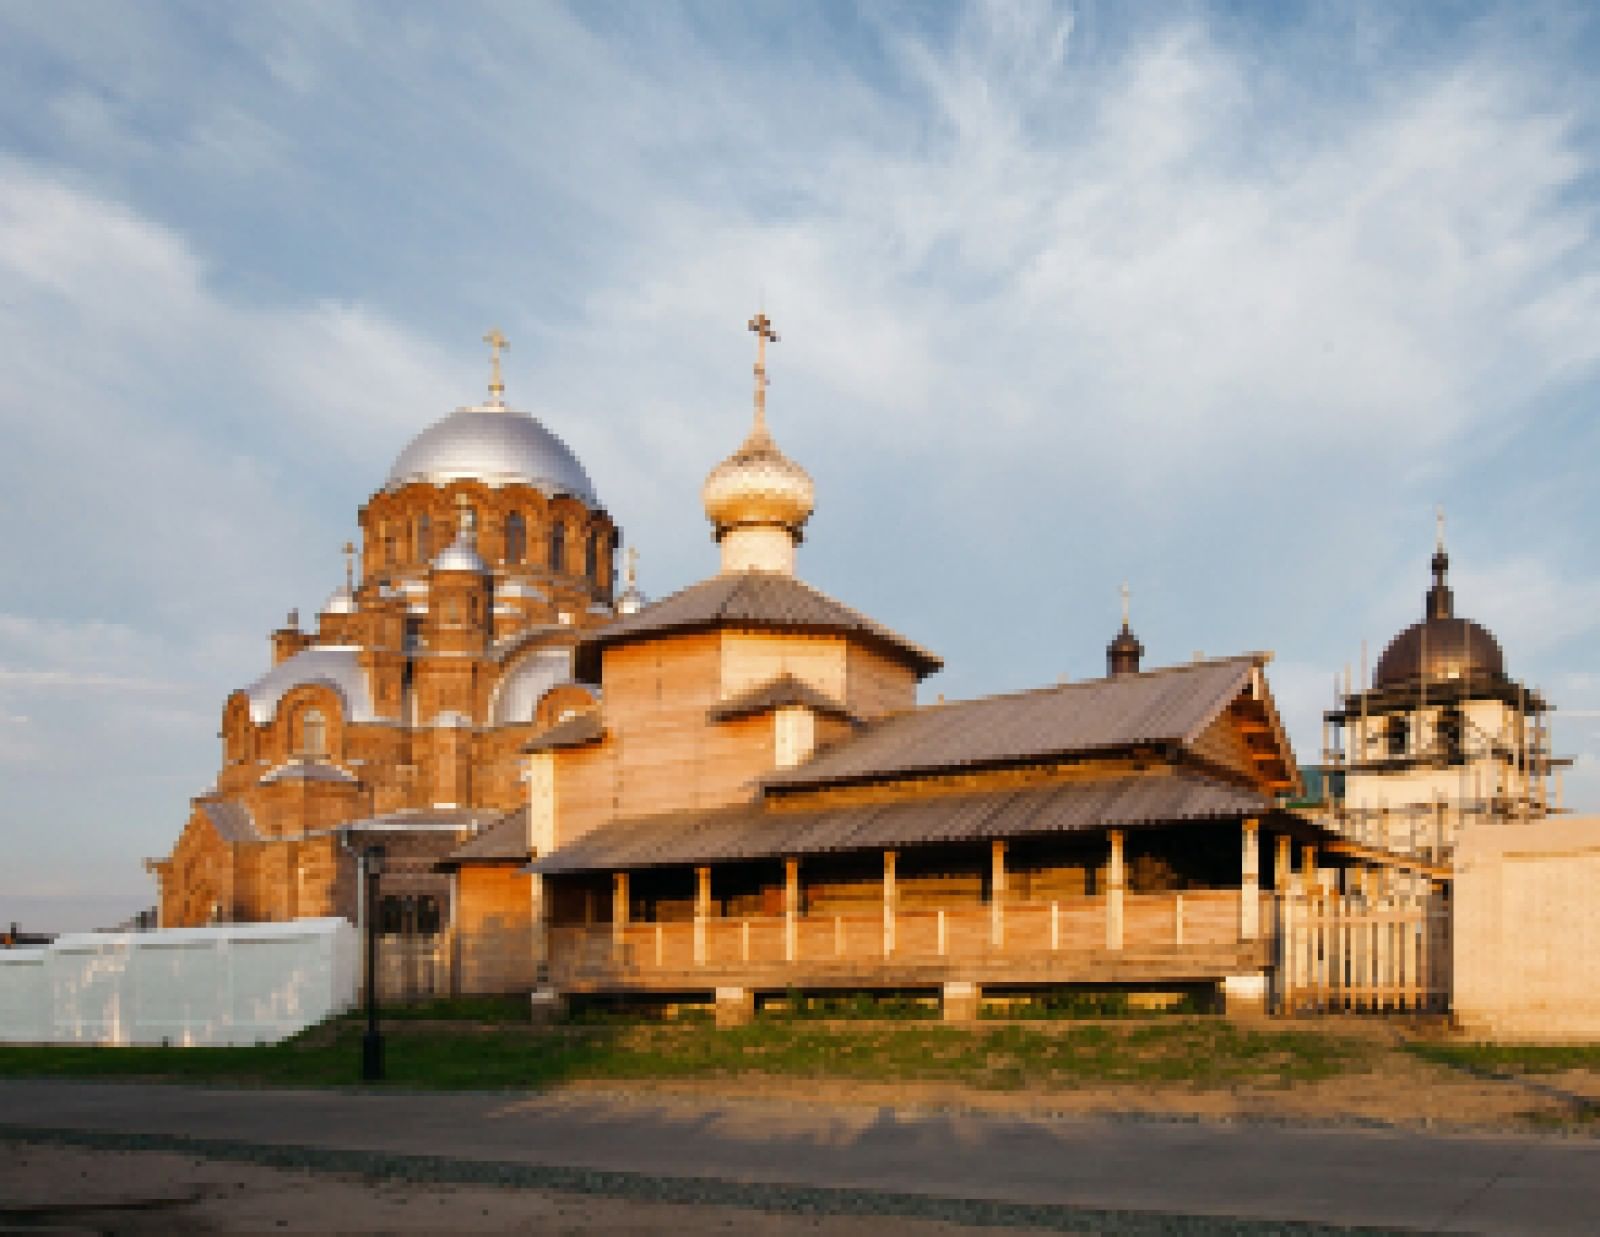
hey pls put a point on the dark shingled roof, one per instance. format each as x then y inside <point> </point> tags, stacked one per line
<point>1170,706</point>
<point>574,731</point>
<point>505,841</point>
<point>780,693</point>
<point>756,599</point>
<point>232,821</point>
<point>753,831</point>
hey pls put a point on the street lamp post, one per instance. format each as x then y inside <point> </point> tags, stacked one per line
<point>372,1041</point>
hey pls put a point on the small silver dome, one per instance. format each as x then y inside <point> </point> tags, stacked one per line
<point>462,553</point>
<point>340,601</point>
<point>518,692</point>
<point>337,667</point>
<point>459,555</point>
<point>496,446</point>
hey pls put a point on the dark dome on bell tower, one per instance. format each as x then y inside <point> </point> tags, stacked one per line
<point>1441,647</point>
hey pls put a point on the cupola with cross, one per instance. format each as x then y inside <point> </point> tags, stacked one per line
<point>758,499</point>
<point>540,529</point>
<point>1124,651</point>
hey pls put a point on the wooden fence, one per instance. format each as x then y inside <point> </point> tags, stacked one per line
<point>1348,953</point>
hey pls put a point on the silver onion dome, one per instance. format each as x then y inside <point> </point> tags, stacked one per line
<point>496,446</point>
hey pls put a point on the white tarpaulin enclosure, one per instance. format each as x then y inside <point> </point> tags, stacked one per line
<point>229,984</point>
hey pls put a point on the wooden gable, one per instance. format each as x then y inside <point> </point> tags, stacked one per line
<point>1247,739</point>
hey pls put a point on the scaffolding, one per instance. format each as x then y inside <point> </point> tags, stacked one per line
<point>1423,734</point>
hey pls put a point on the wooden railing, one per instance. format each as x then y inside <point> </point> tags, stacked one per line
<point>1080,927</point>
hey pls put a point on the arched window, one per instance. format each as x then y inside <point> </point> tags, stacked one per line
<point>558,546</point>
<point>516,538</point>
<point>424,538</point>
<point>313,733</point>
<point>409,914</point>
<point>591,556</point>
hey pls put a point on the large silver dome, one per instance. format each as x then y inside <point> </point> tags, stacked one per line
<point>495,446</point>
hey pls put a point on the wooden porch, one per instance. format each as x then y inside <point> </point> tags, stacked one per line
<point>1185,937</point>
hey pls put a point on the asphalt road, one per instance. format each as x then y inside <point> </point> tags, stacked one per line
<point>1251,1172</point>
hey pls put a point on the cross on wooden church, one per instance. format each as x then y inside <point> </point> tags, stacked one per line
<point>497,388</point>
<point>762,326</point>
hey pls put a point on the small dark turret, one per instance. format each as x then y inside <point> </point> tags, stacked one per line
<point>1441,602</point>
<point>1124,651</point>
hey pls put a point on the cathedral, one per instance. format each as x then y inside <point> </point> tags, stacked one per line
<point>400,718</point>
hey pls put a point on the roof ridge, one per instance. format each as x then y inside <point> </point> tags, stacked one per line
<point>1076,684</point>
<point>758,600</point>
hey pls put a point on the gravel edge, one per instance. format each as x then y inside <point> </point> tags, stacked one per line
<point>696,1191</point>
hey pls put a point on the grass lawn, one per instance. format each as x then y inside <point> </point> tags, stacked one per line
<point>490,1053</point>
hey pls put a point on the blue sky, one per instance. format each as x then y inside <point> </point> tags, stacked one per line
<point>1220,300</point>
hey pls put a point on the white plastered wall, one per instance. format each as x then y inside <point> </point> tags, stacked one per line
<point>1526,928</point>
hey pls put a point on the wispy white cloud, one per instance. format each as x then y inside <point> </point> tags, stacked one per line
<point>72,681</point>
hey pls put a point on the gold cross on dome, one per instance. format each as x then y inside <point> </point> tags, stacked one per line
<point>497,388</point>
<point>762,326</point>
<point>1125,595</point>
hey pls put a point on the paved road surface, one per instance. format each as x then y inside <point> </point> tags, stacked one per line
<point>1334,1176</point>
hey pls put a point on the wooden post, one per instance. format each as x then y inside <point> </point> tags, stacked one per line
<point>889,896</point>
<point>453,934</point>
<point>941,932</point>
<point>744,940</point>
<point>997,894</point>
<point>1250,882</point>
<point>702,912</point>
<point>1055,926</point>
<point>1283,868</point>
<point>791,909</point>
<point>660,943</point>
<point>1308,869</point>
<point>1114,883</point>
<point>619,907</point>
<point>1177,919</point>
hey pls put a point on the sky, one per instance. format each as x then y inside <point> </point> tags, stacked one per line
<point>1220,300</point>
